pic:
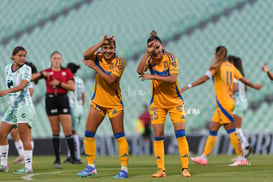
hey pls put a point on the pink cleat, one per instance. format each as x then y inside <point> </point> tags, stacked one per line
<point>199,160</point>
<point>243,162</point>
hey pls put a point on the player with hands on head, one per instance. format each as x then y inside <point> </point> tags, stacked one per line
<point>106,99</point>
<point>165,98</point>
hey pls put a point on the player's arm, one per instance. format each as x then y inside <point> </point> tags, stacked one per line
<point>197,82</point>
<point>168,79</point>
<point>67,86</point>
<point>83,98</point>
<point>31,91</point>
<point>250,84</point>
<point>88,54</point>
<point>266,69</point>
<point>20,87</point>
<point>142,65</point>
<point>39,75</point>
<point>108,78</point>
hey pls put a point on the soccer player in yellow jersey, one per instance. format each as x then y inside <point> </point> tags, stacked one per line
<point>165,98</point>
<point>222,73</point>
<point>105,100</point>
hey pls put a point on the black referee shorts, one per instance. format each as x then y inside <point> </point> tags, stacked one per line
<point>57,104</point>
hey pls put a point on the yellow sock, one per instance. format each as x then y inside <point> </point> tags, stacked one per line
<point>123,151</point>
<point>90,149</point>
<point>159,153</point>
<point>211,140</point>
<point>236,143</point>
<point>183,148</point>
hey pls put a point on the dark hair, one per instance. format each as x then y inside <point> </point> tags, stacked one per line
<point>73,67</point>
<point>153,36</point>
<point>237,62</point>
<point>17,49</point>
<point>220,56</point>
<point>55,52</point>
<point>33,69</point>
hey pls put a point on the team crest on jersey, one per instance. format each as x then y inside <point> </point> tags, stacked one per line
<point>63,73</point>
<point>120,67</point>
<point>111,66</point>
<point>174,63</point>
<point>165,64</point>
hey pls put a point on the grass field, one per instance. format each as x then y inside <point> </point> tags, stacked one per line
<point>142,167</point>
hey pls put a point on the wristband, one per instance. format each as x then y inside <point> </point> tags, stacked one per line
<point>190,85</point>
<point>60,84</point>
<point>42,75</point>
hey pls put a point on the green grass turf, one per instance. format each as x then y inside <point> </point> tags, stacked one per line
<point>141,169</point>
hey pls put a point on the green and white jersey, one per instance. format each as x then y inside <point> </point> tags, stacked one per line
<point>13,79</point>
<point>240,94</point>
<point>75,97</point>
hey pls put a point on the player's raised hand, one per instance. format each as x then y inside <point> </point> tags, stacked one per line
<point>106,39</point>
<point>265,68</point>
<point>150,47</point>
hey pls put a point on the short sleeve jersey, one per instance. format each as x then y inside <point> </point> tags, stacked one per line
<point>75,97</point>
<point>105,95</point>
<point>164,95</point>
<point>62,75</point>
<point>223,82</point>
<point>13,79</point>
<point>240,94</point>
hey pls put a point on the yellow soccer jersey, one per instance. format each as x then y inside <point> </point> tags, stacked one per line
<point>164,95</point>
<point>105,95</point>
<point>223,83</point>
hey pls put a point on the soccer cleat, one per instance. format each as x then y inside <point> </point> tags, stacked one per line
<point>57,164</point>
<point>199,160</point>
<point>19,160</point>
<point>4,169</point>
<point>68,160</point>
<point>121,174</point>
<point>248,151</point>
<point>23,171</point>
<point>160,174</point>
<point>186,173</point>
<point>239,163</point>
<point>76,162</point>
<point>88,171</point>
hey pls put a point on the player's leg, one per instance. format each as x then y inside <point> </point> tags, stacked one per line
<point>53,117</point>
<point>211,140</point>
<point>25,117</point>
<point>94,118</point>
<point>5,128</point>
<point>25,135</point>
<point>158,117</point>
<point>116,118</point>
<point>55,127</point>
<point>178,118</point>
<point>19,147</point>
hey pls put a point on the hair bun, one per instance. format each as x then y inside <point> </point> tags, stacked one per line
<point>153,33</point>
